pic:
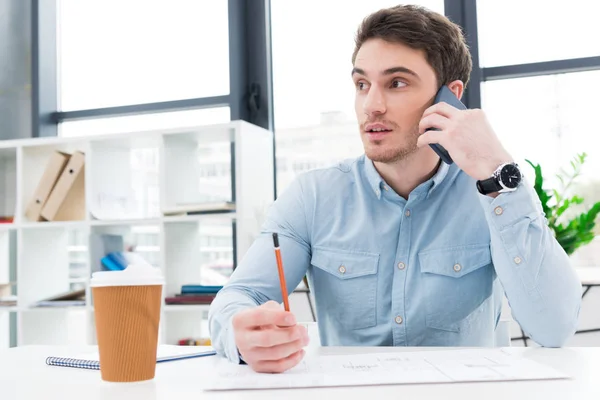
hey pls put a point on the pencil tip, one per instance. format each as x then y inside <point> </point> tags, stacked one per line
<point>275,239</point>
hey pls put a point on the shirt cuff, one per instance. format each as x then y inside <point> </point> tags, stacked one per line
<point>509,208</point>
<point>232,351</point>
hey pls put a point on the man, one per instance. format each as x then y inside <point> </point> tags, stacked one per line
<point>400,248</point>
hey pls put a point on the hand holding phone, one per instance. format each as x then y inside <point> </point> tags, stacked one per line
<point>445,95</point>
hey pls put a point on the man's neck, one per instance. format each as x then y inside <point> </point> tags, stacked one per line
<point>405,175</point>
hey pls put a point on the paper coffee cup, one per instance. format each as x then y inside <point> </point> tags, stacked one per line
<point>127,314</point>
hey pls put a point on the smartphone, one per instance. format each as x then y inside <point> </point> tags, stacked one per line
<point>445,95</point>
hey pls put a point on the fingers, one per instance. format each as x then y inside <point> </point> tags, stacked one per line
<point>259,354</point>
<point>433,121</point>
<point>430,137</point>
<point>274,336</point>
<point>278,366</point>
<point>268,338</point>
<point>443,109</point>
<point>271,305</point>
<point>259,316</point>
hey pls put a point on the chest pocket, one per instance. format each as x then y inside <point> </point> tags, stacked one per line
<point>457,281</point>
<point>347,284</point>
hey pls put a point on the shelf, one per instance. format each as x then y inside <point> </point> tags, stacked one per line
<point>199,217</point>
<point>186,307</point>
<point>54,326</point>
<point>128,222</point>
<point>53,309</point>
<point>53,225</point>
<point>130,178</point>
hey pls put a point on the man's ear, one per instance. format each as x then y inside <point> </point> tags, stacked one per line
<point>457,87</point>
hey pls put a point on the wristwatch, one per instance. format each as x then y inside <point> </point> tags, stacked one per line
<point>506,178</point>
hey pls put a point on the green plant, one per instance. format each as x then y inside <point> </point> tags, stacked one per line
<point>573,231</point>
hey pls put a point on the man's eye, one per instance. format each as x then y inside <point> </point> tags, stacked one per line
<point>398,84</point>
<point>361,85</point>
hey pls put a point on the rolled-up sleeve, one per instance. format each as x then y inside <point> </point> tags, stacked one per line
<point>255,280</point>
<point>542,288</point>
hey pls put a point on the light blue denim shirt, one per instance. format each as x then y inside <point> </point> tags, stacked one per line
<point>430,270</point>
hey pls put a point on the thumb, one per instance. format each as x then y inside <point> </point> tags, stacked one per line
<point>430,137</point>
<point>271,305</point>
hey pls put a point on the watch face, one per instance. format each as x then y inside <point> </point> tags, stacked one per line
<point>510,176</point>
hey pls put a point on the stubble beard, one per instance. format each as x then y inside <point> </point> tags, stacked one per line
<point>377,151</point>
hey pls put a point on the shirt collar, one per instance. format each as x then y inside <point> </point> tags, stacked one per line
<point>439,175</point>
<point>376,181</point>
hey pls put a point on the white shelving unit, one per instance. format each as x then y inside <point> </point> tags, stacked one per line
<point>137,186</point>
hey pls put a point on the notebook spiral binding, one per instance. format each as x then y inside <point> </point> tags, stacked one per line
<point>73,363</point>
<point>95,364</point>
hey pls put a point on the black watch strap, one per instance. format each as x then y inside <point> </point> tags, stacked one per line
<point>487,186</point>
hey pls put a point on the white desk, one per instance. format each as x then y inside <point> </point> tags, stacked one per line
<point>24,375</point>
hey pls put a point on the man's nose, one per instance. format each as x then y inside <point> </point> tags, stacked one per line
<point>375,102</point>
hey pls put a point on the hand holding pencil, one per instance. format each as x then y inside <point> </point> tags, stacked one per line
<point>267,337</point>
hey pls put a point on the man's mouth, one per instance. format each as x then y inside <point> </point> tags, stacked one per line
<point>377,128</point>
<point>377,131</point>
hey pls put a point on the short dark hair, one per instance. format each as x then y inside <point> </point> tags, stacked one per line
<point>419,28</point>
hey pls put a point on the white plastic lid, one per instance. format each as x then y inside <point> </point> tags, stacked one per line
<point>133,275</point>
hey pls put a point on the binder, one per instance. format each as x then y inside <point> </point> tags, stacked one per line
<point>67,200</point>
<point>52,173</point>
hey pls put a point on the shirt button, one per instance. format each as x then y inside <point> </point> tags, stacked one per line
<point>385,188</point>
<point>377,192</point>
<point>407,213</point>
<point>517,260</point>
<point>398,320</point>
<point>342,269</point>
<point>401,265</point>
<point>457,267</point>
<point>498,210</point>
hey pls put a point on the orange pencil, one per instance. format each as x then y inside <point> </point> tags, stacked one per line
<point>284,292</point>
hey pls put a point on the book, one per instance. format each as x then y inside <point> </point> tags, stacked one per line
<point>66,202</point>
<point>101,244</point>
<point>66,299</point>
<point>7,299</point>
<point>92,360</point>
<point>200,289</point>
<point>54,168</point>
<point>190,299</point>
<point>120,260</point>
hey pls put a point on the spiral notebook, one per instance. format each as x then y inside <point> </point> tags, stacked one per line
<point>165,354</point>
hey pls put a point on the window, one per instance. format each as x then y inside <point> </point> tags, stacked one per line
<point>132,123</point>
<point>517,32</point>
<point>313,91</point>
<point>115,52</point>
<point>547,119</point>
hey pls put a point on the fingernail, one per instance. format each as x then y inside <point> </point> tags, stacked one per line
<point>289,319</point>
